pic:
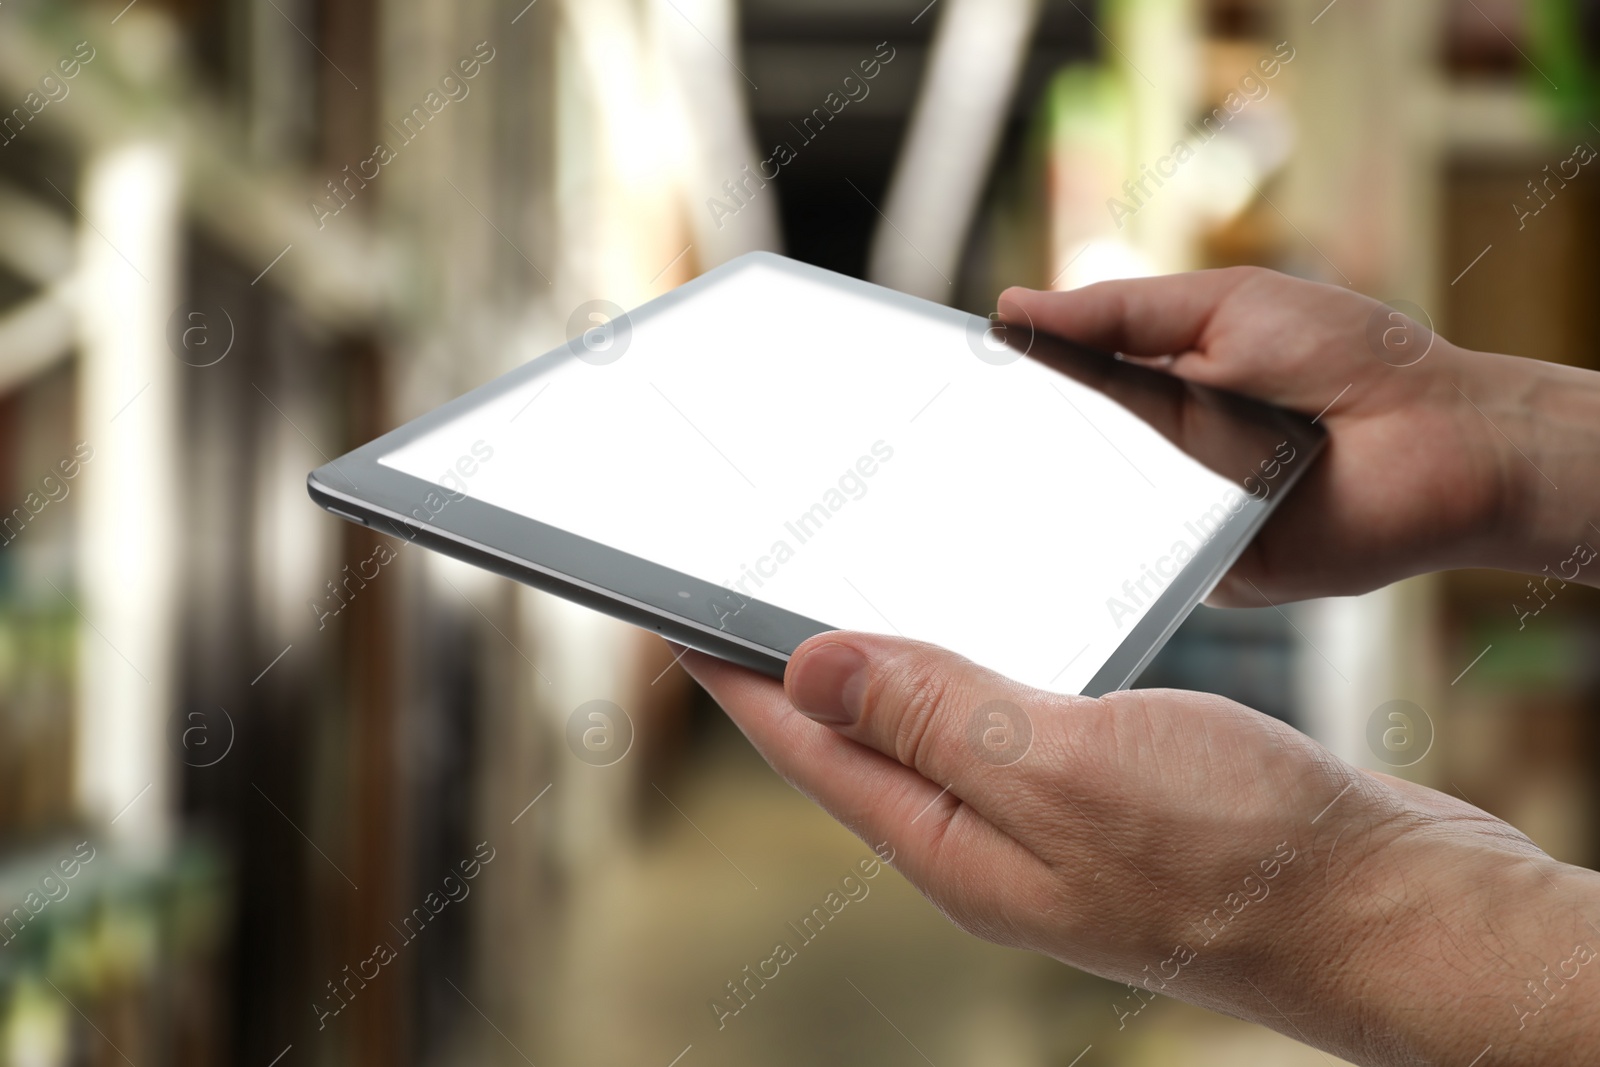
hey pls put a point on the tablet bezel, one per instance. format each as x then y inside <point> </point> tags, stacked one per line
<point>715,619</point>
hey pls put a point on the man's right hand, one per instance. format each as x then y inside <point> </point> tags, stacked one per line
<point>1430,465</point>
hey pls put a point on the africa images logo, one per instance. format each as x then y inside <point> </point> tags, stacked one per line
<point>1139,593</point>
<point>742,189</point>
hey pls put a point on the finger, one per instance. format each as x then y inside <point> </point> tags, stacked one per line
<point>1141,316</point>
<point>1198,422</point>
<point>951,721</point>
<point>933,834</point>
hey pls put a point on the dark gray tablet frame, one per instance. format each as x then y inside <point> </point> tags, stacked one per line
<point>688,610</point>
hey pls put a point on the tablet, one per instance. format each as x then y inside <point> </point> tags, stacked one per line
<point>774,450</point>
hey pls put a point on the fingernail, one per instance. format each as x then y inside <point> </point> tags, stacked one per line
<point>1147,361</point>
<point>829,684</point>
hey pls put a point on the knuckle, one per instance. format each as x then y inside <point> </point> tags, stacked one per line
<point>917,692</point>
<point>1089,723</point>
<point>1091,743</point>
<point>1248,273</point>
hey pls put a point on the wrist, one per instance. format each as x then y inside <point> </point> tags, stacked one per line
<point>1540,423</point>
<point>1460,942</point>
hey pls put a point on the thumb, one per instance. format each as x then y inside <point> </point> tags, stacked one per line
<point>951,721</point>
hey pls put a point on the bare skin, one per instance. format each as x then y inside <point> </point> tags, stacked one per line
<point>1431,466</point>
<point>1193,847</point>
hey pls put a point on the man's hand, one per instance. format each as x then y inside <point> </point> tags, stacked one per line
<point>1436,464</point>
<point>1185,845</point>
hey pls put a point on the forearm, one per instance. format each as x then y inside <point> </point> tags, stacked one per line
<point>1543,421</point>
<point>1449,945</point>
<point>1480,964</point>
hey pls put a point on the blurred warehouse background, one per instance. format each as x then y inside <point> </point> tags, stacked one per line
<point>239,237</point>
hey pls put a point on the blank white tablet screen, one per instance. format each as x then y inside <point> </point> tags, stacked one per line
<point>854,461</point>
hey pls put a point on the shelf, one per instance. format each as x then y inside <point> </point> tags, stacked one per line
<point>1497,119</point>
